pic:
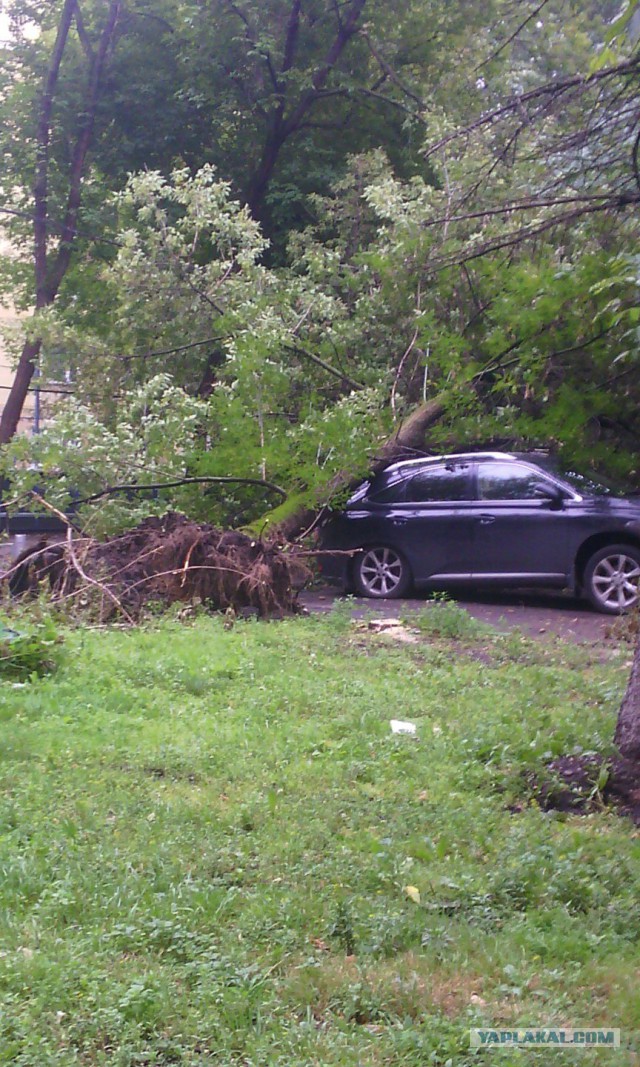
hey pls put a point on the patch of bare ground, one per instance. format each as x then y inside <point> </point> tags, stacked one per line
<point>391,628</point>
<point>586,783</point>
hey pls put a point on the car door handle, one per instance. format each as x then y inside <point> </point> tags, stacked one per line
<point>486,520</point>
<point>398,522</point>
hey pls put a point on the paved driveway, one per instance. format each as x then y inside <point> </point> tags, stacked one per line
<point>534,613</point>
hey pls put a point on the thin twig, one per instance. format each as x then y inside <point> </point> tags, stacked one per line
<point>512,36</point>
<point>93,581</point>
<point>542,92</point>
<point>326,366</point>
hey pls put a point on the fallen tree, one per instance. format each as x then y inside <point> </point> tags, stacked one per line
<point>289,521</point>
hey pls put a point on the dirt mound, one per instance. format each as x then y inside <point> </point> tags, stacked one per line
<point>166,560</point>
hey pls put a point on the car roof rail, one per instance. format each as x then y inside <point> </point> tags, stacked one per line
<point>447,458</point>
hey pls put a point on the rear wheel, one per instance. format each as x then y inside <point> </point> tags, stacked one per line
<point>381,572</point>
<point>612,579</point>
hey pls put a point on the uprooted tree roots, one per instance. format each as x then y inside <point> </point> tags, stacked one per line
<point>164,561</point>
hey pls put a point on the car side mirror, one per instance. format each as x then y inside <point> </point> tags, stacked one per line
<point>551,493</point>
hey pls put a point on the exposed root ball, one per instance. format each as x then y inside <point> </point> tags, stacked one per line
<point>164,560</point>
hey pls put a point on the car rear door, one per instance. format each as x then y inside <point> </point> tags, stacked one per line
<point>434,524</point>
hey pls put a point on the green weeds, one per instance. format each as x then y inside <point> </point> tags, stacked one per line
<point>441,617</point>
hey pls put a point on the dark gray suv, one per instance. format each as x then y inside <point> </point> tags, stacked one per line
<point>485,518</point>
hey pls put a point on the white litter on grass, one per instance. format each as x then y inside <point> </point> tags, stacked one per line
<point>392,628</point>
<point>400,727</point>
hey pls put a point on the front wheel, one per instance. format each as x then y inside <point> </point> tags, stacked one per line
<point>612,579</point>
<point>381,572</point>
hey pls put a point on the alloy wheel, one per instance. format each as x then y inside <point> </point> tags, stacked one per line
<point>616,581</point>
<point>381,572</point>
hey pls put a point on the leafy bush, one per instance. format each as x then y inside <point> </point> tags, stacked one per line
<point>32,650</point>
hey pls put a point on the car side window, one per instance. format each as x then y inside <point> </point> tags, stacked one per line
<point>392,494</point>
<point>449,482</point>
<point>508,481</point>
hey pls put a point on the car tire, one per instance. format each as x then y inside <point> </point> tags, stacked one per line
<point>612,579</point>
<point>381,572</point>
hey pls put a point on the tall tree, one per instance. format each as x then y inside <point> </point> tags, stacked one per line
<point>293,86</point>
<point>51,257</point>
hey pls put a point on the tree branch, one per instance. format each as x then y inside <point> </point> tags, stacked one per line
<point>326,366</point>
<point>83,35</point>
<point>392,103</point>
<point>390,73</point>
<point>252,38</point>
<point>347,28</point>
<point>604,199</point>
<point>516,237</point>
<point>135,487</point>
<point>291,36</point>
<point>512,37</point>
<point>542,92</point>
<point>168,351</point>
<point>41,179</point>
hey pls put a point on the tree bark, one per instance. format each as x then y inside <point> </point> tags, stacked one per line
<point>627,735</point>
<point>409,438</point>
<point>41,176</point>
<point>17,395</point>
<point>276,137</point>
<point>31,349</point>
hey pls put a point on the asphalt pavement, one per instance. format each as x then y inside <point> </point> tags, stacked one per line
<point>535,613</point>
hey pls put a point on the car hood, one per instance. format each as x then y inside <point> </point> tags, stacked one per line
<point>620,507</point>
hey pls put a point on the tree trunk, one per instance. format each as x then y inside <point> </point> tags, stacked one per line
<point>20,387</point>
<point>289,520</point>
<point>627,735</point>
<point>259,183</point>
<point>409,438</point>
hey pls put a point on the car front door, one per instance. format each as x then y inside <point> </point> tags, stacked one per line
<point>521,534</point>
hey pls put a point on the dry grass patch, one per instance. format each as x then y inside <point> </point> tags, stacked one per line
<point>407,987</point>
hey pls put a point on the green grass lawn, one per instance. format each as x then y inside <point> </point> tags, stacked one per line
<point>206,839</point>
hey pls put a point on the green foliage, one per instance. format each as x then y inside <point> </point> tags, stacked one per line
<point>622,36</point>
<point>78,455</point>
<point>376,278</point>
<point>200,827</point>
<point>29,647</point>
